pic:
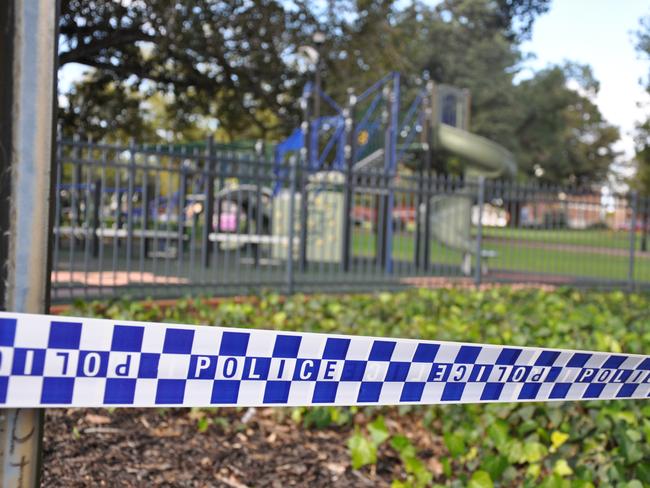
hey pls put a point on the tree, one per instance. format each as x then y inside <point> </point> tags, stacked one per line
<point>641,181</point>
<point>642,138</point>
<point>173,70</point>
<point>561,135</point>
<point>226,59</point>
<point>235,61</point>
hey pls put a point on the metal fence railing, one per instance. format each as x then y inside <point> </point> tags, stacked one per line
<point>169,221</point>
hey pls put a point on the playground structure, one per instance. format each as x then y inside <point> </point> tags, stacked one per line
<point>378,135</point>
<point>340,169</point>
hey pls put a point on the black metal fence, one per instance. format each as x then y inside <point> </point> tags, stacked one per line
<point>169,221</point>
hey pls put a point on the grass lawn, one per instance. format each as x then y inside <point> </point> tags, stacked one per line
<point>517,256</point>
<point>596,238</point>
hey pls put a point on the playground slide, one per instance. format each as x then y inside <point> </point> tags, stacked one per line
<point>451,214</point>
<point>485,157</point>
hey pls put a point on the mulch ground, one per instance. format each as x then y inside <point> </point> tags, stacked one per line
<point>239,447</point>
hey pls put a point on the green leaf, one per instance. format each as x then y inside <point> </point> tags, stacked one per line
<point>416,467</point>
<point>633,435</point>
<point>480,479</point>
<point>631,450</point>
<point>633,484</point>
<point>557,439</point>
<point>455,443</point>
<point>498,432</point>
<point>446,466</point>
<point>319,417</point>
<point>362,451</point>
<point>403,446</point>
<point>643,472</point>
<point>514,451</point>
<point>562,468</point>
<point>554,481</point>
<point>378,431</point>
<point>625,416</point>
<point>202,424</point>
<point>582,484</point>
<point>533,452</point>
<point>495,465</point>
<point>534,470</point>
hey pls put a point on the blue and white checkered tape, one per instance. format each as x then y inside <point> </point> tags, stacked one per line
<point>55,361</point>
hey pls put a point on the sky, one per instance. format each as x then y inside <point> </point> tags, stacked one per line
<point>598,33</point>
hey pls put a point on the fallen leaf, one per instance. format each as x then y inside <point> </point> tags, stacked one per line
<point>435,466</point>
<point>231,481</point>
<point>336,468</point>
<point>92,418</point>
<point>165,432</point>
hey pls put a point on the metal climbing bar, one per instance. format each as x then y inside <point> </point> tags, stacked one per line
<point>416,109</point>
<point>375,86</point>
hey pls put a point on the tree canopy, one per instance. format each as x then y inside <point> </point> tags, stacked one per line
<point>641,180</point>
<point>561,134</point>
<point>165,69</point>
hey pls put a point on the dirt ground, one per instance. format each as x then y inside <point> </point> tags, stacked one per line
<point>225,448</point>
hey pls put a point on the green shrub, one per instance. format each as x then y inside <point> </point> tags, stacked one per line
<point>575,444</point>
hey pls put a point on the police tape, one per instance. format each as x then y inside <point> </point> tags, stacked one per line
<point>48,361</point>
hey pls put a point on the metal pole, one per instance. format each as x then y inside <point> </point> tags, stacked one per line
<point>97,202</point>
<point>479,230</point>
<point>428,163</point>
<point>393,118</point>
<point>384,182</point>
<point>292,222</point>
<point>260,151</point>
<point>307,156</point>
<point>208,211</point>
<point>350,150</point>
<point>74,196</point>
<point>129,205</point>
<point>27,73</point>
<point>182,193</point>
<point>635,205</point>
<point>419,203</point>
<point>420,197</point>
<point>147,199</point>
<point>317,84</point>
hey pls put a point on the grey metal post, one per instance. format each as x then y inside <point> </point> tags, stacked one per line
<point>208,210</point>
<point>182,194</point>
<point>635,205</point>
<point>292,222</point>
<point>306,165</point>
<point>350,150</point>
<point>27,64</point>
<point>260,152</point>
<point>424,254</point>
<point>97,203</point>
<point>419,202</point>
<point>147,198</point>
<point>422,187</point>
<point>74,195</point>
<point>383,212</point>
<point>129,205</point>
<point>479,230</point>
